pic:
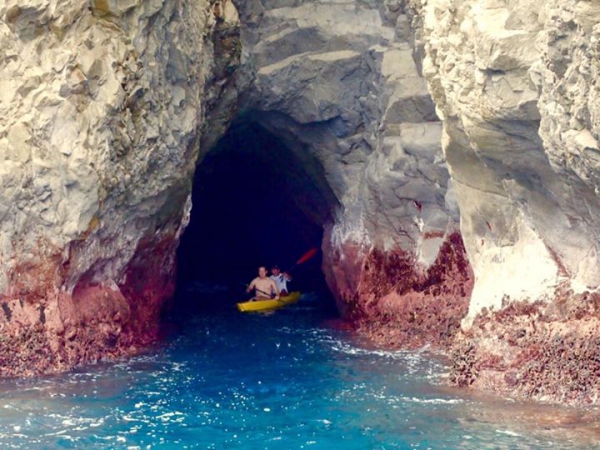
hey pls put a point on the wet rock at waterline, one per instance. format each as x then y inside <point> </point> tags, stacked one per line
<point>451,148</point>
<point>340,82</point>
<point>102,109</point>
<point>543,350</point>
<point>514,86</point>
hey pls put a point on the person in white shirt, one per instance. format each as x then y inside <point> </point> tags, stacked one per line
<point>280,279</point>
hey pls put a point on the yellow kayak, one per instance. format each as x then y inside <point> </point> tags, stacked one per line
<point>266,305</point>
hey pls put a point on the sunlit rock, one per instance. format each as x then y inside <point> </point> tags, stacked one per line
<point>102,107</point>
<point>340,82</point>
<point>514,85</point>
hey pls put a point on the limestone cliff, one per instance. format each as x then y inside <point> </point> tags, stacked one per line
<point>453,145</point>
<point>339,82</point>
<point>106,108</point>
<point>515,117</point>
<point>102,108</point>
<point>514,83</point>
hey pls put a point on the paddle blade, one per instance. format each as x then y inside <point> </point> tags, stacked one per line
<point>309,254</point>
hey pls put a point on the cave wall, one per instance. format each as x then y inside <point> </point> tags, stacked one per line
<point>510,141</point>
<point>514,82</point>
<point>453,145</point>
<point>102,108</point>
<point>108,108</point>
<point>341,82</point>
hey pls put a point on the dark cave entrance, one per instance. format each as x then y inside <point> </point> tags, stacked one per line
<point>255,202</point>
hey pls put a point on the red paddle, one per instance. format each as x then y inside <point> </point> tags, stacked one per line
<point>309,254</point>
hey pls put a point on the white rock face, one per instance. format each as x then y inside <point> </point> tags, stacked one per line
<point>513,82</point>
<point>102,106</point>
<point>105,107</point>
<point>338,80</point>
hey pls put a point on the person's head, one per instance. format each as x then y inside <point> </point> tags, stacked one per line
<point>262,271</point>
<point>275,270</point>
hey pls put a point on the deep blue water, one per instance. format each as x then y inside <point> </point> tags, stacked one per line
<point>287,380</point>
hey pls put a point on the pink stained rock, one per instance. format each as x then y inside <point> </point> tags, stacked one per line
<point>393,302</point>
<point>546,351</point>
<point>47,330</point>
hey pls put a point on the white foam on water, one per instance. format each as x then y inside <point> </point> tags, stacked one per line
<point>56,433</point>
<point>508,433</point>
<point>434,401</point>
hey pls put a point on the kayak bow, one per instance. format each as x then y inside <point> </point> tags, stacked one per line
<point>268,304</point>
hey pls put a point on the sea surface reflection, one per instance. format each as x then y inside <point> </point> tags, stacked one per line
<point>287,380</point>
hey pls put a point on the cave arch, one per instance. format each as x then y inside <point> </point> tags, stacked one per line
<point>256,200</point>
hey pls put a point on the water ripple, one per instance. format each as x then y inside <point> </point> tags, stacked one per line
<point>276,382</point>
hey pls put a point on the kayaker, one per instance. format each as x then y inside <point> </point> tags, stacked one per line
<point>280,279</point>
<point>264,287</point>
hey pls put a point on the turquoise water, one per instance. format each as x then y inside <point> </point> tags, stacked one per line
<point>293,379</point>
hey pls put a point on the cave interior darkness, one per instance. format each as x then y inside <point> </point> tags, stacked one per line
<point>255,202</point>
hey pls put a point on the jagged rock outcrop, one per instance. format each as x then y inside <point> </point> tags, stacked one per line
<point>106,108</point>
<point>340,82</point>
<point>102,107</point>
<point>403,113</point>
<point>514,83</point>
